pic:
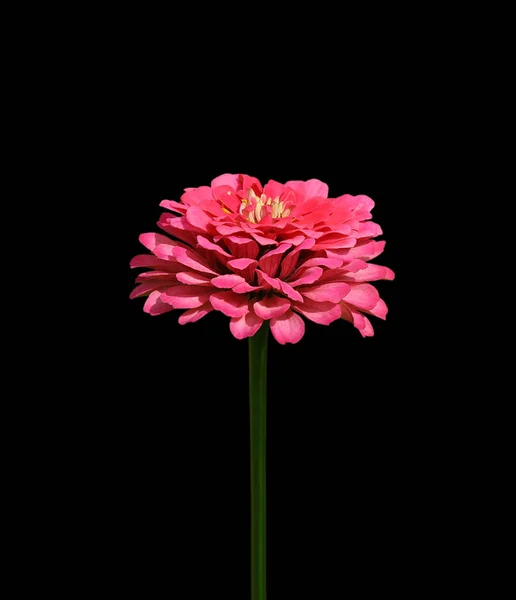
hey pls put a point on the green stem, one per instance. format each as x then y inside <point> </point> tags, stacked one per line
<point>258,423</point>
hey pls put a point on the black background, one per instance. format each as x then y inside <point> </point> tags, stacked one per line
<point>133,431</point>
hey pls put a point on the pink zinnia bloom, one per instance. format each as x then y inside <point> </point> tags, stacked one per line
<point>265,253</point>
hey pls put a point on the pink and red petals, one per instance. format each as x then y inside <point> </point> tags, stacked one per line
<point>197,196</point>
<point>320,261</point>
<point>174,206</point>
<point>310,258</point>
<point>369,229</point>
<point>144,288</point>
<point>270,307</point>
<point>307,276</point>
<point>326,292</point>
<point>245,326</point>
<point>230,303</point>
<point>380,310</point>
<point>190,258</point>
<point>244,288</point>
<point>309,189</point>
<point>156,275</point>
<point>177,227</point>
<point>207,245</point>
<point>277,284</point>
<point>246,183</point>
<point>194,314</point>
<point>322,313</point>
<point>227,281</point>
<point>273,189</point>
<point>289,291</point>
<point>371,273</point>
<point>227,179</point>
<point>185,296</point>
<point>241,247</point>
<point>360,321</point>
<point>289,328</point>
<point>228,229</point>
<point>367,251</point>
<point>198,218</point>
<point>193,278</point>
<point>264,241</point>
<point>241,264</point>
<point>266,281</point>
<point>151,262</point>
<point>363,296</point>
<point>154,306</point>
<point>290,261</point>
<point>151,240</point>
<point>269,263</point>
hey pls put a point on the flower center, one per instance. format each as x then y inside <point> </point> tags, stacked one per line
<point>254,208</point>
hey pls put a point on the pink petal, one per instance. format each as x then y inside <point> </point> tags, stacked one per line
<point>380,310</point>
<point>241,247</point>
<point>154,306</point>
<point>241,263</point>
<point>368,250</point>
<point>264,241</point>
<point>227,281</point>
<point>355,265</point>
<point>245,182</point>
<point>245,326</point>
<point>320,261</point>
<point>360,321</point>
<point>371,273</point>
<point>230,304</point>
<point>226,179</point>
<point>270,262</point>
<point>290,261</point>
<point>267,282</point>
<point>197,196</point>
<point>207,245</point>
<point>185,296</point>
<point>174,206</point>
<point>228,229</point>
<point>156,275</point>
<point>145,288</point>
<point>323,313</point>
<point>243,288</point>
<point>228,199</point>
<point>198,218</point>
<point>273,189</point>
<point>368,229</point>
<point>307,276</point>
<point>151,240</point>
<point>194,314</point>
<point>192,278</point>
<point>150,261</point>
<point>271,306</point>
<point>326,292</point>
<point>309,189</point>
<point>295,240</point>
<point>191,259</point>
<point>177,227</point>
<point>363,296</point>
<point>288,328</point>
<point>290,291</point>
<point>335,242</point>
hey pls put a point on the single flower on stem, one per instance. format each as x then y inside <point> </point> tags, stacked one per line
<point>274,253</point>
<point>264,256</point>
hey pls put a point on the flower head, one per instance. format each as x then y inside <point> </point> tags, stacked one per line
<point>278,252</point>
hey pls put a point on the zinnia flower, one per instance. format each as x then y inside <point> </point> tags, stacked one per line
<point>257,253</point>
